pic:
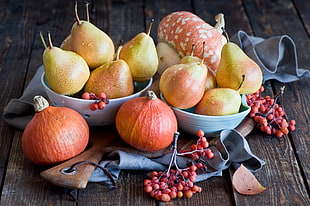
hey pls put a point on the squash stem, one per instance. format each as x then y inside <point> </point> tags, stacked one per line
<point>151,95</point>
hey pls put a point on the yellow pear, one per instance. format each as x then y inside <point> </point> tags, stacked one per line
<point>93,44</point>
<point>233,64</point>
<point>218,102</point>
<point>113,78</point>
<point>66,72</point>
<point>141,56</point>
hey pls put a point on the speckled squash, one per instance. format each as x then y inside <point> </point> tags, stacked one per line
<point>181,29</point>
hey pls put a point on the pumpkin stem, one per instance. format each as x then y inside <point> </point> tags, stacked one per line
<point>40,103</point>
<point>151,95</point>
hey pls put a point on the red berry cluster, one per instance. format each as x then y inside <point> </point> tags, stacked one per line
<point>100,103</point>
<point>173,183</point>
<point>269,116</point>
<point>168,185</point>
<point>199,150</point>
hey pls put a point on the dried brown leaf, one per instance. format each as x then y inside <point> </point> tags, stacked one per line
<point>245,182</point>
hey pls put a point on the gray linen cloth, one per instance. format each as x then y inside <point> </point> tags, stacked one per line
<point>277,59</point>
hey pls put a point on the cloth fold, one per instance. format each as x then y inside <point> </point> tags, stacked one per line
<point>231,148</point>
<point>278,60</point>
<point>276,56</point>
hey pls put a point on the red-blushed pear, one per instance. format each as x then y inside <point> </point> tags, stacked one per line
<point>141,56</point>
<point>66,44</point>
<point>113,78</point>
<point>220,101</point>
<point>183,85</point>
<point>234,62</point>
<point>211,81</point>
<point>66,72</point>
<point>93,44</point>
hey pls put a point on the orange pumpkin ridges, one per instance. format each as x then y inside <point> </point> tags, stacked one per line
<point>54,134</point>
<point>146,123</point>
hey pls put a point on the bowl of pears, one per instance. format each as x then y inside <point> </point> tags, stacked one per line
<point>208,100</point>
<point>85,72</point>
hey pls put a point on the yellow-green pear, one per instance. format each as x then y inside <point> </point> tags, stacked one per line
<point>218,102</point>
<point>93,44</point>
<point>113,78</point>
<point>233,64</point>
<point>66,72</point>
<point>141,56</point>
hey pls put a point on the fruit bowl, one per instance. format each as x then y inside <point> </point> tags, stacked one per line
<point>98,117</point>
<point>190,122</point>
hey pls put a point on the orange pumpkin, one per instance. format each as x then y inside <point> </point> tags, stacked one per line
<point>54,134</point>
<point>146,123</point>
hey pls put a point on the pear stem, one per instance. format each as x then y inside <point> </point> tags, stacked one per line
<point>49,40</point>
<point>243,78</point>
<point>193,48</point>
<point>42,40</point>
<point>76,14</point>
<point>226,34</point>
<point>150,27</point>
<point>87,11</point>
<point>118,51</point>
<point>203,53</point>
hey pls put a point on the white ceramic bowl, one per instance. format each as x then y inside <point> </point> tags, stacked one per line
<point>99,117</point>
<point>190,122</point>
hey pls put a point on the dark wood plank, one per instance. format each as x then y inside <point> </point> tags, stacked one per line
<point>234,14</point>
<point>303,7</point>
<point>157,10</point>
<point>16,18</point>
<point>264,17</point>
<point>296,98</point>
<point>22,176</point>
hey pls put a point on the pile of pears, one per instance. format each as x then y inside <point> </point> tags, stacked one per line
<point>87,61</point>
<point>190,84</point>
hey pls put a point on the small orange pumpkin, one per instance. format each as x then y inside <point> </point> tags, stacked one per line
<point>146,123</point>
<point>54,134</point>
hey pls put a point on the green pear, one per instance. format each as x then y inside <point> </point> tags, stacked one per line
<point>113,78</point>
<point>141,56</point>
<point>66,72</point>
<point>218,102</point>
<point>183,85</point>
<point>233,64</point>
<point>93,44</point>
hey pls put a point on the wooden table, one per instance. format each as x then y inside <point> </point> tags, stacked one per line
<point>287,169</point>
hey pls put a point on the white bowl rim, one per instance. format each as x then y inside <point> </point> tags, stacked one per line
<point>243,102</point>
<point>88,100</point>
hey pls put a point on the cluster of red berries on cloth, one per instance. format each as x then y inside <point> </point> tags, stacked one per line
<point>100,103</point>
<point>268,114</point>
<point>176,182</point>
